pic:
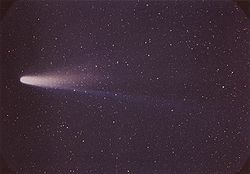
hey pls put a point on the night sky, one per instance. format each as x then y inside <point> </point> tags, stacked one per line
<point>148,87</point>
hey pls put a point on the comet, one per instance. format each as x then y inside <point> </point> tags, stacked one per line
<point>73,82</point>
<point>83,84</point>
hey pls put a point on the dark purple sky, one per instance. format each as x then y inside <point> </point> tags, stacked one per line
<point>172,80</point>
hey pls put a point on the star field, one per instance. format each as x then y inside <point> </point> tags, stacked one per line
<point>167,90</point>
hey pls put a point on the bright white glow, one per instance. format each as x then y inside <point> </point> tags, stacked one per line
<point>57,81</point>
<point>45,81</point>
